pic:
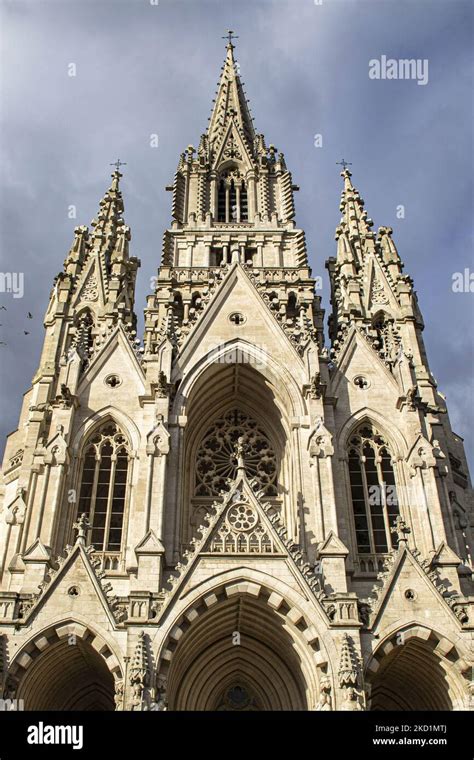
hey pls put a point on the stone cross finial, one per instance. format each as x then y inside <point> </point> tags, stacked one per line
<point>401,530</point>
<point>82,526</point>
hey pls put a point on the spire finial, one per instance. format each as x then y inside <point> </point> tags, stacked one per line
<point>118,163</point>
<point>344,163</point>
<point>229,37</point>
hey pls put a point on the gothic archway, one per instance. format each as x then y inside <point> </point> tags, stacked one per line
<point>66,667</point>
<point>231,401</point>
<point>238,655</point>
<point>68,678</point>
<point>412,673</point>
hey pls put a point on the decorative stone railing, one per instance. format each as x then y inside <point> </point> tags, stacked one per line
<point>110,562</point>
<point>370,564</point>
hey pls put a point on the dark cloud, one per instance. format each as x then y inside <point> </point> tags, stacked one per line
<point>144,69</point>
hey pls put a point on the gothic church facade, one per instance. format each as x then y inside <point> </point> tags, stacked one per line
<point>232,514</point>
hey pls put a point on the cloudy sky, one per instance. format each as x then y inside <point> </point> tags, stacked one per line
<point>145,67</point>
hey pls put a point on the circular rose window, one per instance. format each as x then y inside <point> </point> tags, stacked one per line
<point>242,517</point>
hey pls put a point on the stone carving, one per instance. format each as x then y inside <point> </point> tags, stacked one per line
<point>242,532</point>
<point>140,675</point>
<point>162,386</point>
<point>231,149</point>
<point>378,295</point>
<point>82,526</point>
<point>349,676</point>
<point>325,699</point>
<point>118,696</point>
<point>217,460</point>
<point>90,291</point>
<point>317,388</point>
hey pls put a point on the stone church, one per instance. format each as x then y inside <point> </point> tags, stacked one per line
<point>235,513</point>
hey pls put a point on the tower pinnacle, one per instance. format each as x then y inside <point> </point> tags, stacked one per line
<point>230,102</point>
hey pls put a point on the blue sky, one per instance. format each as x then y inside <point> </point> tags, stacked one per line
<point>143,69</point>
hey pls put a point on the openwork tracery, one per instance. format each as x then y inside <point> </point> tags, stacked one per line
<point>232,203</point>
<point>216,459</point>
<point>104,485</point>
<point>373,490</point>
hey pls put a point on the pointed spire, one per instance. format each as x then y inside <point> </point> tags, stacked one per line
<point>109,217</point>
<point>354,223</point>
<point>348,667</point>
<point>230,100</point>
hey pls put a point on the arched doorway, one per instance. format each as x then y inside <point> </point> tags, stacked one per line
<point>237,655</point>
<point>412,676</point>
<point>65,673</point>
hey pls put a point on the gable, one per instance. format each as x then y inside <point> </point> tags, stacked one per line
<point>408,596</point>
<point>244,528</point>
<point>91,288</point>
<point>114,358</point>
<point>357,358</point>
<point>232,148</point>
<point>378,292</point>
<point>236,295</point>
<point>72,589</point>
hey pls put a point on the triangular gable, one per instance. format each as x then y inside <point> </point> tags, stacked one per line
<point>232,148</point>
<point>355,341</point>
<point>272,532</point>
<point>406,581</point>
<point>116,340</point>
<point>75,569</point>
<point>91,287</point>
<point>15,511</point>
<point>379,293</point>
<point>150,544</point>
<point>37,552</point>
<point>221,298</point>
<point>332,546</point>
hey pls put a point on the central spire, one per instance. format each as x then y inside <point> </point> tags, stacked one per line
<point>230,100</point>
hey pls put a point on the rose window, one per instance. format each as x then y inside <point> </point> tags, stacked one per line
<point>242,517</point>
<point>216,459</point>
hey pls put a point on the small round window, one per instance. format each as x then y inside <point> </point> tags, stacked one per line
<point>237,318</point>
<point>113,381</point>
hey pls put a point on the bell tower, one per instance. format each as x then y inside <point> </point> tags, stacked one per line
<point>232,203</point>
<point>233,251</point>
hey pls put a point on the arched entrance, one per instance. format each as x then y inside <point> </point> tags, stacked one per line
<point>413,675</point>
<point>236,655</point>
<point>65,671</point>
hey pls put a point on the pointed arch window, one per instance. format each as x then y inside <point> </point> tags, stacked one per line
<point>232,200</point>
<point>221,204</point>
<point>104,483</point>
<point>373,491</point>
<point>244,207</point>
